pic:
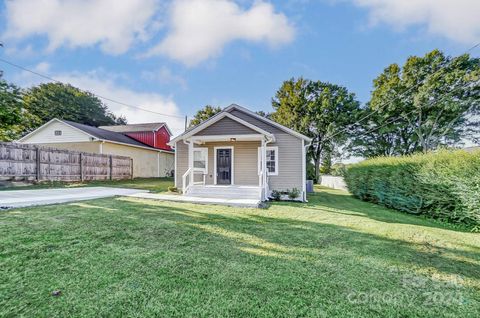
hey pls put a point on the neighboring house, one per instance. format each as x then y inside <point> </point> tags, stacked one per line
<point>156,135</point>
<point>148,161</point>
<point>240,154</point>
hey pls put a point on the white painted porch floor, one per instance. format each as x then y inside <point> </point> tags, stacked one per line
<point>244,203</point>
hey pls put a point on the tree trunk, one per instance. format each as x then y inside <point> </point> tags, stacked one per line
<point>317,169</point>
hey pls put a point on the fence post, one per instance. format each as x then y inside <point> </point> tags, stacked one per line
<point>39,173</point>
<point>111,167</point>
<point>131,168</point>
<point>81,168</point>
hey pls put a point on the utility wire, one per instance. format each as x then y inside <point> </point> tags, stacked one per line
<point>399,96</point>
<point>414,110</point>
<point>97,95</point>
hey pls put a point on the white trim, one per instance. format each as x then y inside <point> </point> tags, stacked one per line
<point>271,122</point>
<point>255,137</point>
<point>92,136</point>
<point>215,119</point>
<point>274,148</point>
<point>48,123</point>
<point>176,167</point>
<point>101,147</point>
<point>201,149</point>
<point>232,173</point>
<point>304,173</point>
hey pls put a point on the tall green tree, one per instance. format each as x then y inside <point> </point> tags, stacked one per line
<point>15,120</point>
<point>204,114</point>
<point>319,110</point>
<point>431,101</point>
<point>64,101</point>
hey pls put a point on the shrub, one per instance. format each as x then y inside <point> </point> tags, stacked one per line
<point>443,185</point>
<point>172,189</point>
<point>276,195</point>
<point>293,194</point>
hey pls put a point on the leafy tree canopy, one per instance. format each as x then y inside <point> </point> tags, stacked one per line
<point>431,101</point>
<point>14,119</point>
<point>204,114</point>
<point>64,101</point>
<point>319,110</point>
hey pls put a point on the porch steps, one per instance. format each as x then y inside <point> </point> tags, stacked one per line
<point>225,192</point>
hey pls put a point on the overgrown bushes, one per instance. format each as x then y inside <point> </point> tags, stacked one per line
<point>443,185</point>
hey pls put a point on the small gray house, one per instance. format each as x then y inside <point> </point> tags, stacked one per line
<point>240,154</point>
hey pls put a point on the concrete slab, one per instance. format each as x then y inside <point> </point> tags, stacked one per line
<point>244,203</point>
<point>23,198</point>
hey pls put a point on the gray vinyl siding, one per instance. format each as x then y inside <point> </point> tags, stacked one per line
<point>181,151</point>
<point>226,126</point>
<point>245,160</point>
<point>290,174</point>
<point>246,155</point>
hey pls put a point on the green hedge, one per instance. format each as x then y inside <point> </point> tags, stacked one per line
<point>444,184</point>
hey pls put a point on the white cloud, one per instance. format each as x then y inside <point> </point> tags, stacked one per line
<point>114,25</point>
<point>199,29</point>
<point>165,76</point>
<point>98,82</point>
<point>457,20</point>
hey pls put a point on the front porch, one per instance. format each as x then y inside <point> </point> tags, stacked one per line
<point>226,167</point>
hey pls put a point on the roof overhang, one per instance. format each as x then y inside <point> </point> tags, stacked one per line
<point>216,118</point>
<point>230,138</point>
<point>268,121</point>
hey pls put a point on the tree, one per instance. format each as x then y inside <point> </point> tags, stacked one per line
<point>204,114</point>
<point>319,110</point>
<point>431,101</point>
<point>15,120</point>
<point>58,100</point>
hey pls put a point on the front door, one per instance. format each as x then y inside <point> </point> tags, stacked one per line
<point>224,166</point>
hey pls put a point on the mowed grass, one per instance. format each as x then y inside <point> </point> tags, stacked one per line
<point>151,184</point>
<point>332,257</point>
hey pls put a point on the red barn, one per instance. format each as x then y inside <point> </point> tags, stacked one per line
<point>156,135</point>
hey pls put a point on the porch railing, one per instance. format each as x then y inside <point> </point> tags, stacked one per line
<point>190,174</point>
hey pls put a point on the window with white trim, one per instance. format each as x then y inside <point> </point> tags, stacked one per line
<point>271,160</point>
<point>200,159</point>
<point>57,133</point>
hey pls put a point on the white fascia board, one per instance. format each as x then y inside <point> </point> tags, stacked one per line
<point>268,121</point>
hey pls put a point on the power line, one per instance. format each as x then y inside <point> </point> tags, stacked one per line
<point>97,95</point>
<point>399,96</point>
<point>414,110</point>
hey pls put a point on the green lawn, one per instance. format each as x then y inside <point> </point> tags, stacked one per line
<point>335,256</point>
<point>151,184</point>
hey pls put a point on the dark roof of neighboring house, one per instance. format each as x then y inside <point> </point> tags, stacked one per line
<point>134,127</point>
<point>107,135</point>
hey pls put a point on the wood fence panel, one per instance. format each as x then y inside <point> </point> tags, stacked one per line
<point>20,162</point>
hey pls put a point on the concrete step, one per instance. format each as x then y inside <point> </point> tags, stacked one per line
<point>225,192</point>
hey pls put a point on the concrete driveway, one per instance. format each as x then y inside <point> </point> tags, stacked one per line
<point>23,198</point>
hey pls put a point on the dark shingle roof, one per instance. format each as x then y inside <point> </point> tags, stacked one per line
<point>134,127</point>
<point>107,135</point>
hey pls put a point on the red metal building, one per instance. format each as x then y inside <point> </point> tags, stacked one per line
<point>156,135</point>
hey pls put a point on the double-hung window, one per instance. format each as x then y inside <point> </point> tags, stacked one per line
<point>271,160</point>
<point>200,159</point>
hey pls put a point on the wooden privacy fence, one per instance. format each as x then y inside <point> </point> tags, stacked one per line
<point>30,162</point>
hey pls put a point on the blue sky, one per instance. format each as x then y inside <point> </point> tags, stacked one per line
<point>176,56</point>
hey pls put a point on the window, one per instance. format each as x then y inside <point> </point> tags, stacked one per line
<point>200,159</point>
<point>272,160</point>
<point>58,132</point>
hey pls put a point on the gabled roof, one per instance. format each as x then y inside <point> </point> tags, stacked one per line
<point>226,112</point>
<point>268,121</point>
<point>99,133</point>
<point>136,127</point>
<point>215,119</point>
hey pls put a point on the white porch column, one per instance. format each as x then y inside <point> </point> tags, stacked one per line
<point>264,169</point>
